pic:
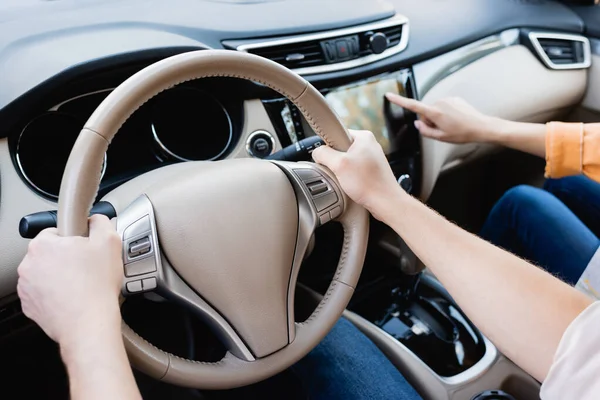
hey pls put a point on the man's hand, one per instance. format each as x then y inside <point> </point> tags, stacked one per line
<point>363,171</point>
<point>68,285</point>
<point>450,120</point>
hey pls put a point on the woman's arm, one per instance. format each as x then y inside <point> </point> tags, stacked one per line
<point>521,308</point>
<point>569,148</point>
<point>454,120</point>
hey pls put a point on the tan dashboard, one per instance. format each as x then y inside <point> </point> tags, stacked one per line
<point>510,83</point>
<point>17,199</point>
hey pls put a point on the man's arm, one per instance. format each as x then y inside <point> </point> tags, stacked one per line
<point>70,287</point>
<point>521,308</point>
<point>96,361</point>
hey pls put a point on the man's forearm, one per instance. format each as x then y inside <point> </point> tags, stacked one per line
<point>521,308</point>
<point>97,364</point>
<point>527,137</point>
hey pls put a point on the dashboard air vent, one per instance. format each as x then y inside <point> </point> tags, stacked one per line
<point>294,55</point>
<point>332,50</point>
<point>562,51</point>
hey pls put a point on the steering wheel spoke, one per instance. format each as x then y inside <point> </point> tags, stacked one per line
<point>146,269</point>
<point>320,200</point>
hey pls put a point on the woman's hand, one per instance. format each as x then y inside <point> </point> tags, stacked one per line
<point>363,171</point>
<point>450,120</point>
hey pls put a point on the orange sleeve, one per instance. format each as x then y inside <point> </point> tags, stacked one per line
<point>572,149</point>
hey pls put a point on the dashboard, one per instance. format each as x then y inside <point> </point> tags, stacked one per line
<point>192,122</point>
<point>59,60</point>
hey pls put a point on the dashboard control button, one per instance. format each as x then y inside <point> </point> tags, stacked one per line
<point>134,286</point>
<point>342,49</point>
<point>140,267</point>
<point>316,188</point>
<point>324,218</point>
<point>355,48</point>
<point>149,283</point>
<point>139,227</point>
<point>330,51</point>
<point>325,201</point>
<point>260,144</point>
<point>335,212</point>
<point>139,247</point>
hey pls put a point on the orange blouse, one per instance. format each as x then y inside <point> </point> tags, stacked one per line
<point>572,149</point>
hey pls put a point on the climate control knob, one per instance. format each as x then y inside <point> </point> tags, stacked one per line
<point>378,42</point>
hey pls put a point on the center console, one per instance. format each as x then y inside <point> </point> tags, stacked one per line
<point>427,322</point>
<point>418,326</point>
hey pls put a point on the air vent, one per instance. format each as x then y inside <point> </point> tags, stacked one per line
<point>562,51</point>
<point>333,50</point>
<point>294,55</point>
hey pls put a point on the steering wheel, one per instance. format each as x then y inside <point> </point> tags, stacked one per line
<point>225,239</point>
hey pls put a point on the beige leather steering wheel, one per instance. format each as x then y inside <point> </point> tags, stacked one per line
<point>226,238</point>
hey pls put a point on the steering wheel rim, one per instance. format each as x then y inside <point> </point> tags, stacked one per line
<point>81,181</point>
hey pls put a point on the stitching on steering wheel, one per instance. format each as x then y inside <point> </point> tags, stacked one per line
<point>307,115</point>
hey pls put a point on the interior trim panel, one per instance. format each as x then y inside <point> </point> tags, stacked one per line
<point>491,84</point>
<point>429,73</point>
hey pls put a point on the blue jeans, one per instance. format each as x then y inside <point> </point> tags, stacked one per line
<point>347,365</point>
<point>556,228</point>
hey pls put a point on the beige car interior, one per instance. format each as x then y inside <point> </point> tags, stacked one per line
<point>269,214</point>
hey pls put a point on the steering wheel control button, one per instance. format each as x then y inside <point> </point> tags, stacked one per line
<point>335,212</point>
<point>139,247</point>
<point>140,267</point>
<point>324,218</point>
<point>260,144</point>
<point>318,187</point>
<point>307,175</point>
<point>325,201</point>
<point>134,286</point>
<point>139,227</point>
<point>149,284</point>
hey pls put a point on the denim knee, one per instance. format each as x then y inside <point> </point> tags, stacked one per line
<point>521,198</point>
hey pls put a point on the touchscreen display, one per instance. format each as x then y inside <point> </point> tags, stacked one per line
<point>360,106</point>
